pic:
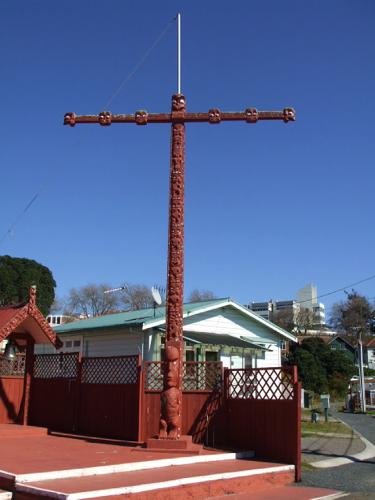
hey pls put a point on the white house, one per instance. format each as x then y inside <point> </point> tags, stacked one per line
<point>215,330</point>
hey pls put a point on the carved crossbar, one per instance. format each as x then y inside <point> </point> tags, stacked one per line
<point>172,377</point>
<point>250,115</point>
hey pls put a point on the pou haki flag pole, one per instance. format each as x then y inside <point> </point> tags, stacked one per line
<point>171,397</point>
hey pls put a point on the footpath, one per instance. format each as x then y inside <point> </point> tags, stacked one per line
<point>323,450</point>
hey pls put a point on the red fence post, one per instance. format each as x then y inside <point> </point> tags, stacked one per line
<point>297,444</point>
<point>140,392</point>
<point>77,398</point>
<point>29,367</point>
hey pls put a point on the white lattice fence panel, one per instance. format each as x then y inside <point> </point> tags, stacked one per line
<point>262,383</point>
<point>56,365</point>
<point>110,370</point>
<point>204,376</point>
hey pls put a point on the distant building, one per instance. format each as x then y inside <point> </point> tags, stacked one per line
<point>268,309</point>
<point>306,298</point>
<point>58,319</point>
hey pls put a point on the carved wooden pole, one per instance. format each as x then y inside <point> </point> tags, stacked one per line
<point>171,399</point>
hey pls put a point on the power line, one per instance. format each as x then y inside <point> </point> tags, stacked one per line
<point>19,217</point>
<point>339,289</point>
<point>79,141</point>
<point>139,63</point>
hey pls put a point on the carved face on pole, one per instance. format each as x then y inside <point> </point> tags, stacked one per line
<point>178,102</point>
<point>172,356</point>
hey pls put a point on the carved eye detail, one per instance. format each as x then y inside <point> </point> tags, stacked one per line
<point>214,115</point>
<point>251,115</point>
<point>70,119</point>
<point>141,117</point>
<point>289,114</point>
<point>105,118</point>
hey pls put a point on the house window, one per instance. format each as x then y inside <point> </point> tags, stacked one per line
<point>212,356</point>
<point>189,355</point>
<point>72,345</point>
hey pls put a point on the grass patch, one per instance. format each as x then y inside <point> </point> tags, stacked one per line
<point>307,467</point>
<point>308,428</point>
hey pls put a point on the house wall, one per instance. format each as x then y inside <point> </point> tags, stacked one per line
<point>371,357</point>
<point>231,321</point>
<point>115,341</point>
<point>100,343</point>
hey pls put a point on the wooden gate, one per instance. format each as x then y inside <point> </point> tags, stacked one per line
<point>93,396</point>
<point>263,413</point>
<point>12,373</point>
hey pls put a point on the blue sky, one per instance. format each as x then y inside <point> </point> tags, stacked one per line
<point>269,207</point>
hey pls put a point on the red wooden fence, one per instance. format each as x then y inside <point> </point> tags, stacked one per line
<point>263,413</point>
<point>93,396</point>
<point>253,409</point>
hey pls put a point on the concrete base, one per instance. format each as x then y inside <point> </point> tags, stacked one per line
<point>184,444</point>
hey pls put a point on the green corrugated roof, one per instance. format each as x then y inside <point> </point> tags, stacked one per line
<point>143,316</point>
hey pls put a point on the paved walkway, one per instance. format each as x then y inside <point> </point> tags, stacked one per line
<point>329,450</point>
<point>22,455</point>
<point>321,447</point>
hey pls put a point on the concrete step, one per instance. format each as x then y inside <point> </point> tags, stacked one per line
<point>195,480</point>
<point>5,495</point>
<point>14,430</point>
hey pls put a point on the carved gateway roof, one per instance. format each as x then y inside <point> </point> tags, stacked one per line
<point>26,318</point>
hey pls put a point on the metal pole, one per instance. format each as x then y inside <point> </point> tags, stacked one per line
<point>361,374</point>
<point>179,53</point>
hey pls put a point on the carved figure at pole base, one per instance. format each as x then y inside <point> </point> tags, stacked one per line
<point>170,418</point>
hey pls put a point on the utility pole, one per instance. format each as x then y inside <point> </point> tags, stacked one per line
<point>362,385</point>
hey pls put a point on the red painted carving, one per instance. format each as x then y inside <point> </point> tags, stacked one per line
<point>170,422</point>
<point>29,310</point>
<point>13,323</point>
<point>214,116</point>
<point>251,115</point>
<point>70,119</point>
<point>171,398</point>
<point>105,118</point>
<point>289,115</point>
<point>141,117</point>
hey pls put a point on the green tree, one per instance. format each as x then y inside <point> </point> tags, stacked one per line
<point>310,373</point>
<point>355,314</point>
<point>285,319</point>
<point>201,295</point>
<point>90,301</point>
<point>16,277</point>
<point>320,368</point>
